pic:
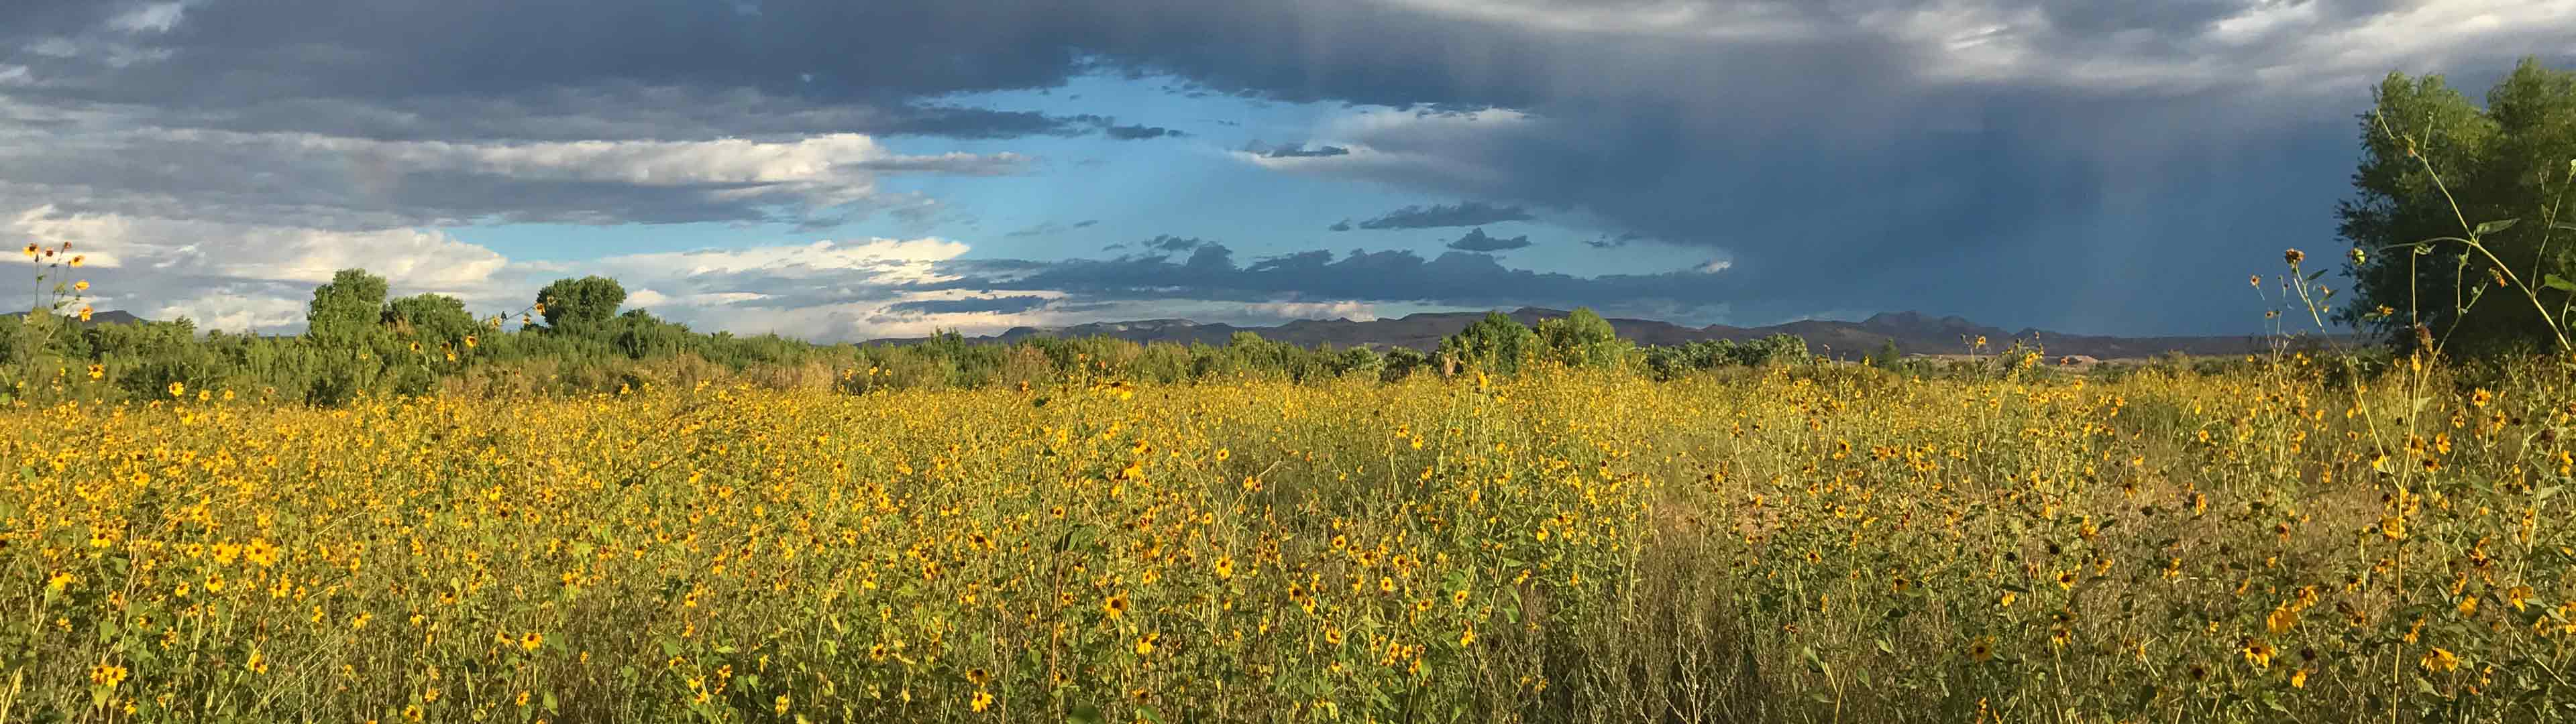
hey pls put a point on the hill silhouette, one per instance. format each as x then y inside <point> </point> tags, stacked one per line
<point>1913,333</point>
<point>98,318</point>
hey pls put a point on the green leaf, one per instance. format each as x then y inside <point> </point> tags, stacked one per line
<point>1084,714</point>
<point>2313,277</point>
<point>2493,227</point>
<point>2557,282</point>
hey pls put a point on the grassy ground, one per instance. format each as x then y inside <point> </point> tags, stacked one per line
<point>1824,545</point>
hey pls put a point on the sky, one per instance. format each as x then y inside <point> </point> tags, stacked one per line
<point>838,170</point>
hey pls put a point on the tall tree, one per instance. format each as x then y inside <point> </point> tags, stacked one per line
<point>1583,339</point>
<point>573,304</point>
<point>1496,343</point>
<point>432,318</point>
<point>2508,167</point>
<point>347,309</point>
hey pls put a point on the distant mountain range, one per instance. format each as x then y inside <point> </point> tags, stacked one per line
<point>1914,333</point>
<point>95,319</point>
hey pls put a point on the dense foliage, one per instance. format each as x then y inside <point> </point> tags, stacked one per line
<point>2459,208</point>
<point>574,339</point>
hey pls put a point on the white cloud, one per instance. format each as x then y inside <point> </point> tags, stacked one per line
<point>821,290</point>
<point>255,277</point>
<point>859,321</point>
<point>840,160</point>
<point>2263,46</point>
<point>1354,311</point>
<point>2263,22</point>
<point>114,159</point>
<point>242,308</point>
<point>823,171</point>
<point>54,47</point>
<point>155,17</point>
<point>408,258</point>
<point>874,261</point>
<point>112,53</point>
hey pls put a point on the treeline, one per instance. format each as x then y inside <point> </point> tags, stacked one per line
<point>575,338</point>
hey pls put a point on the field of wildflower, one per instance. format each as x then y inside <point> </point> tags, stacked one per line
<point>1784,544</point>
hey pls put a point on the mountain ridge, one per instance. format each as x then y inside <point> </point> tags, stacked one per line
<point>111,316</point>
<point>1913,333</point>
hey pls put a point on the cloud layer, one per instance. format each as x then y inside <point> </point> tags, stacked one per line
<point>1476,240</point>
<point>2094,165</point>
<point>1464,213</point>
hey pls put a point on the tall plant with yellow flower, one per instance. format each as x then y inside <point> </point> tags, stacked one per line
<point>53,295</point>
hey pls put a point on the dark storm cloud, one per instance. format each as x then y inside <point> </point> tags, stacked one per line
<point>1138,133</point>
<point>1109,127</point>
<point>2008,217</point>
<point>346,184</point>
<point>1476,240</point>
<point>2080,165</point>
<point>1464,213</point>
<point>1452,278</point>
<point>1052,227</point>
<point>1173,244</point>
<point>619,112</point>
<point>1301,151</point>
<point>1608,241</point>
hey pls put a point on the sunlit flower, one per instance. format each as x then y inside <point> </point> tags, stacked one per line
<point>2440,660</point>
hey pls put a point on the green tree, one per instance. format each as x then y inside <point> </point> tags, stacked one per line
<point>348,310</point>
<point>1358,360</point>
<point>432,319</point>
<point>577,304</point>
<point>1888,355</point>
<point>1402,362</point>
<point>2508,167</point>
<point>1582,339</point>
<point>1779,348</point>
<point>1495,343</point>
<point>640,335</point>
